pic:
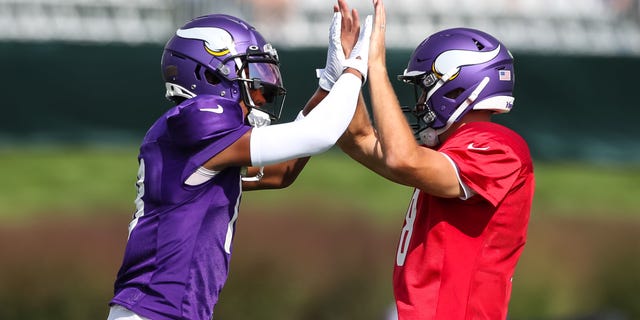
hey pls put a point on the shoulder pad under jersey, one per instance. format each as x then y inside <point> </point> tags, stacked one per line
<point>203,118</point>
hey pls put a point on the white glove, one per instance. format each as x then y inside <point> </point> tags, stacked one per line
<point>335,56</point>
<point>359,57</point>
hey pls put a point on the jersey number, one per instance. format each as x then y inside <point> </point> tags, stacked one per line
<point>407,231</point>
<point>139,202</point>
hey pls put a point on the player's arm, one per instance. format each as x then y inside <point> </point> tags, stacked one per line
<point>282,175</point>
<point>341,44</point>
<point>313,134</point>
<point>360,141</point>
<point>392,151</point>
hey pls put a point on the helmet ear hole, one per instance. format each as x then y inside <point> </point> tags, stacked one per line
<point>197,72</point>
<point>170,72</point>
<point>211,77</point>
<point>453,94</point>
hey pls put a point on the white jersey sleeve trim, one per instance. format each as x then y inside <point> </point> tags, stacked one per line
<point>315,133</point>
<point>201,176</point>
<point>468,192</point>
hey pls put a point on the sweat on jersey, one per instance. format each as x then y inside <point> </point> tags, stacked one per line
<point>176,259</point>
<point>456,258</point>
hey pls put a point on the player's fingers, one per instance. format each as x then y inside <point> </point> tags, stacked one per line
<point>381,12</point>
<point>380,17</point>
<point>376,46</point>
<point>356,19</point>
<point>346,14</point>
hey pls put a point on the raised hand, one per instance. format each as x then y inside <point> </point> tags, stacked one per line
<point>343,35</point>
<point>377,52</point>
<point>335,55</point>
<point>350,26</point>
<point>352,33</point>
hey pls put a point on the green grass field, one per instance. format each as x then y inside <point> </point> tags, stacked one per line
<point>71,206</point>
<point>97,180</point>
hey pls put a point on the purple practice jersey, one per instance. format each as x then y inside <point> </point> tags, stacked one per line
<point>177,256</point>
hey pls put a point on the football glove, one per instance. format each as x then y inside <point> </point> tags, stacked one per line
<point>335,56</point>
<point>359,57</point>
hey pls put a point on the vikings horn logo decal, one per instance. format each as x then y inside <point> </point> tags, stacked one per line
<point>217,42</point>
<point>454,59</point>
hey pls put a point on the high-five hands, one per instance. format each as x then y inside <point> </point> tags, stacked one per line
<point>335,56</point>
<point>377,49</point>
<point>346,38</point>
<point>359,57</point>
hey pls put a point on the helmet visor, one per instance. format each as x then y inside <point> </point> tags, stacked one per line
<point>267,97</point>
<point>265,72</point>
<point>265,88</point>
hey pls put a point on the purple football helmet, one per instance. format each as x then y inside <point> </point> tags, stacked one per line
<point>454,71</point>
<point>224,56</point>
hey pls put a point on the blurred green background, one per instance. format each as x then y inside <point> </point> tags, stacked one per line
<point>73,114</point>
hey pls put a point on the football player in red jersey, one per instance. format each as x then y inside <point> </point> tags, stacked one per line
<point>466,224</point>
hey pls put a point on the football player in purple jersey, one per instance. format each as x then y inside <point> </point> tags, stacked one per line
<point>199,156</point>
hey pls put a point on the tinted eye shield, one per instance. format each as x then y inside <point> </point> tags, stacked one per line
<point>263,73</point>
<point>269,91</point>
<point>262,65</point>
<point>265,77</point>
<point>259,71</point>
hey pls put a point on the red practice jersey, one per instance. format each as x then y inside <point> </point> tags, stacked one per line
<point>456,257</point>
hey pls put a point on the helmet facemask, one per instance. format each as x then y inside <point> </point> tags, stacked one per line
<point>258,71</point>
<point>423,116</point>
<point>422,84</point>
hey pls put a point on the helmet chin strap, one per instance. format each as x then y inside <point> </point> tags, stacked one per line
<point>430,136</point>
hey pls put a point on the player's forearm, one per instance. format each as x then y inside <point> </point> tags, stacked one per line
<point>405,162</point>
<point>276,176</point>
<point>360,141</point>
<point>359,127</point>
<point>314,134</point>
